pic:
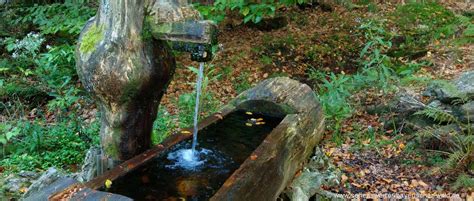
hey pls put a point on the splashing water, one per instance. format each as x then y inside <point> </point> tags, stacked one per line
<point>190,158</point>
<point>187,159</point>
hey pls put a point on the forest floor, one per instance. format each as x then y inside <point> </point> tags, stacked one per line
<point>379,165</point>
<point>322,47</point>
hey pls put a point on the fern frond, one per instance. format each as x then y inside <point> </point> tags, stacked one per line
<point>454,160</point>
<point>464,181</point>
<point>427,132</point>
<point>440,116</point>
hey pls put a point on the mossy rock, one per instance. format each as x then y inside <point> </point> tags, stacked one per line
<point>445,91</point>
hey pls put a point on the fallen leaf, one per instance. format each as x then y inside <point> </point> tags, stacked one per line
<point>253,157</point>
<point>248,124</point>
<point>422,183</point>
<point>23,190</point>
<point>248,113</point>
<point>219,116</point>
<point>356,185</point>
<point>401,146</point>
<point>108,183</point>
<point>387,180</point>
<point>344,178</point>
<point>185,132</point>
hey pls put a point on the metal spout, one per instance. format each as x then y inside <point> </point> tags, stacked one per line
<point>182,26</point>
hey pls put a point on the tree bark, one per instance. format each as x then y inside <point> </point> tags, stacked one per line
<point>126,72</point>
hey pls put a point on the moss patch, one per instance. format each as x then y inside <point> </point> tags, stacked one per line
<point>90,39</point>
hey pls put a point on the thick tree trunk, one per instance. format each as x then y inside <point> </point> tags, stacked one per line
<point>127,74</point>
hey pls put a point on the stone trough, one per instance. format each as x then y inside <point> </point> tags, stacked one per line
<point>264,175</point>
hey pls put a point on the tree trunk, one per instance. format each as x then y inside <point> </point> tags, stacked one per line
<point>126,72</point>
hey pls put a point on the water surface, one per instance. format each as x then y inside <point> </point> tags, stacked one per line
<point>222,148</point>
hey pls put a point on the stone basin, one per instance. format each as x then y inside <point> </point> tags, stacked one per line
<point>265,173</point>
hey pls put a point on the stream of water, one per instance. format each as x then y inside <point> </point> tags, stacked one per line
<point>196,107</point>
<point>191,158</point>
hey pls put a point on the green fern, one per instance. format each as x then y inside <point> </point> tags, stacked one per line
<point>454,160</point>
<point>440,116</point>
<point>464,181</point>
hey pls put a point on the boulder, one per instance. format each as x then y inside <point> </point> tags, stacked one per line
<point>46,179</point>
<point>465,112</point>
<point>465,84</point>
<point>443,91</point>
<point>13,184</point>
<point>90,167</point>
<point>318,172</point>
<point>448,92</point>
<point>406,103</point>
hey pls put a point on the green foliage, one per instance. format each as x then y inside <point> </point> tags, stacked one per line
<point>377,64</point>
<point>37,74</point>
<point>7,133</point>
<point>463,181</point>
<point>249,10</point>
<point>186,102</point>
<point>459,143</point>
<point>431,15</point>
<point>422,23</point>
<point>67,18</point>
<point>241,82</point>
<point>38,145</point>
<point>438,115</point>
<point>333,94</point>
<point>163,126</point>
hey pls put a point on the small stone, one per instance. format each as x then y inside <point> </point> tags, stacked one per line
<point>14,184</point>
<point>28,174</point>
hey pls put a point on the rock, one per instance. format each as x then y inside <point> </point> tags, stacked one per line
<point>410,124</point>
<point>28,174</point>
<point>448,92</point>
<point>444,91</point>
<point>4,2</point>
<point>44,191</point>
<point>465,84</point>
<point>406,103</point>
<point>47,178</point>
<point>465,113</point>
<point>90,168</point>
<point>14,184</point>
<point>318,172</point>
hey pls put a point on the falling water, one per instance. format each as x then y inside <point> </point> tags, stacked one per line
<point>196,108</point>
